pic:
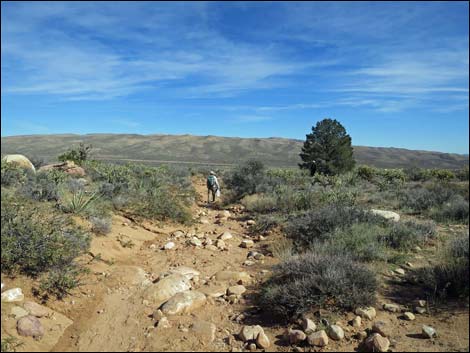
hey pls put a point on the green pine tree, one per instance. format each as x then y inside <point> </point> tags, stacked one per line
<point>327,149</point>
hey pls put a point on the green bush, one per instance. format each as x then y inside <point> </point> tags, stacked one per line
<point>366,172</point>
<point>317,281</point>
<point>100,225</point>
<point>78,155</point>
<point>455,210</point>
<point>313,226</point>
<point>43,186</point>
<point>462,174</point>
<point>34,239</point>
<point>406,235</point>
<point>246,179</point>
<point>12,174</point>
<point>450,277</point>
<point>442,174</point>
<point>60,281</point>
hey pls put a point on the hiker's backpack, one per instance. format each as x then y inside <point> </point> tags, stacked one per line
<point>211,182</point>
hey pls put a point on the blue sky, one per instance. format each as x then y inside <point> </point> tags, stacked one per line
<point>393,73</point>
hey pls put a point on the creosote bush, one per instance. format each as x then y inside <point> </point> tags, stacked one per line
<point>316,280</point>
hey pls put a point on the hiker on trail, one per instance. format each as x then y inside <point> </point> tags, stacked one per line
<point>212,186</point>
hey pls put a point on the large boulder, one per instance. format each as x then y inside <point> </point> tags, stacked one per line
<point>184,303</point>
<point>19,160</point>
<point>393,216</point>
<point>68,167</point>
<point>167,287</point>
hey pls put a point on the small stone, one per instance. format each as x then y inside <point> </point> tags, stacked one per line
<point>296,336</point>
<point>361,335</point>
<point>195,241</point>
<point>367,313</point>
<point>220,244</point>
<point>252,347</point>
<point>259,256</point>
<point>248,333</point>
<point>356,322</point>
<point>335,332</point>
<point>393,308</point>
<point>377,343</point>
<point>163,323</point>
<point>211,247</point>
<point>409,264</point>
<point>157,315</point>
<point>420,310</point>
<point>12,295</point>
<point>236,290</point>
<point>308,326</point>
<point>18,312</point>
<point>262,341</point>
<point>417,248</point>
<point>250,222</point>
<point>204,330</point>
<point>381,328</point>
<point>399,271</point>
<point>319,338</point>
<point>178,234</point>
<point>168,246</point>
<point>409,316</point>
<point>225,236</point>
<point>30,326</point>
<point>35,309</point>
<point>429,332</point>
<point>248,263</point>
<point>247,243</point>
<point>421,303</point>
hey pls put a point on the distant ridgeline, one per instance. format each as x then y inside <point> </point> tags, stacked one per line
<point>213,150</point>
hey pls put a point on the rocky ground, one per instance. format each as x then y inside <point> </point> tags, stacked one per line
<point>206,276</point>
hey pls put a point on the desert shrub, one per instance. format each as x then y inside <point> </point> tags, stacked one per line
<point>74,198</point>
<point>100,225</point>
<point>60,281</point>
<point>405,235</point>
<point>43,186</point>
<point>38,162</point>
<point>11,344</point>
<point>450,277</point>
<point>317,280</point>
<point>78,154</point>
<point>260,203</point>
<point>366,172</point>
<point>246,178</point>
<point>417,199</point>
<point>312,226</point>
<point>12,174</point>
<point>455,210</point>
<point>462,174</point>
<point>417,174</point>
<point>442,174</point>
<point>362,242</point>
<point>282,249</point>
<point>34,239</point>
<point>265,223</point>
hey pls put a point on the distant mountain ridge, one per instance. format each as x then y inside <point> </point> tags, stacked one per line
<point>215,150</point>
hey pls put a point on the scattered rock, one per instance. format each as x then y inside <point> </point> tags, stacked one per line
<point>204,331</point>
<point>262,341</point>
<point>35,309</point>
<point>361,335</point>
<point>167,287</point>
<point>393,216</point>
<point>163,323</point>
<point>420,310</point>
<point>204,221</point>
<point>259,256</point>
<point>296,336</point>
<point>319,338</point>
<point>409,264</point>
<point>421,303</point>
<point>335,332</point>
<point>399,271</point>
<point>220,244</point>
<point>195,242</point>
<point>247,243</point>
<point>250,222</point>
<point>308,326</point>
<point>356,322</point>
<point>68,167</point>
<point>393,308</point>
<point>429,332</point>
<point>236,290</point>
<point>12,295</point>
<point>168,246</point>
<point>157,315</point>
<point>187,272</point>
<point>248,333</point>
<point>248,263</point>
<point>184,302</point>
<point>211,247</point>
<point>178,234</point>
<point>377,343</point>
<point>366,313</point>
<point>18,312</point>
<point>252,347</point>
<point>228,276</point>
<point>30,326</point>
<point>225,236</point>
<point>409,316</point>
<point>382,328</point>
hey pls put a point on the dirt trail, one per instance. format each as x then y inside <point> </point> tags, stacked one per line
<point>109,314</point>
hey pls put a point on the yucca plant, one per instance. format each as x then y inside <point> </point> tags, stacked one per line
<point>76,201</point>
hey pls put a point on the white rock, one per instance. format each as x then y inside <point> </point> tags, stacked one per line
<point>399,271</point>
<point>366,313</point>
<point>247,243</point>
<point>409,316</point>
<point>393,216</point>
<point>184,302</point>
<point>377,343</point>
<point>308,326</point>
<point>226,236</point>
<point>237,290</point>
<point>319,338</point>
<point>295,336</point>
<point>168,246</point>
<point>429,332</point>
<point>12,295</point>
<point>335,332</point>
<point>393,308</point>
<point>249,333</point>
<point>262,341</point>
<point>166,287</point>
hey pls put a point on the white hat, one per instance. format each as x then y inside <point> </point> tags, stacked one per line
<point>212,172</point>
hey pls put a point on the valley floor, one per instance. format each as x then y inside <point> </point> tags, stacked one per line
<point>108,313</point>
